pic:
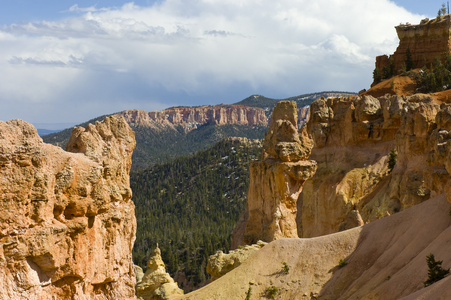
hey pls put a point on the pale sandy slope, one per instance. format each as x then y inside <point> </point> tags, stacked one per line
<point>386,259</point>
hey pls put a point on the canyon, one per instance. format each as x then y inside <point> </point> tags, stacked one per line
<point>350,203</point>
<point>366,230</point>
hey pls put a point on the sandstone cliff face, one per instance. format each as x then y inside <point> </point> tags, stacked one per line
<point>191,117</point>
<point>353,138</point>
<point>67,225</point>
<point>427,41</point>
<point>276,180</point>
<point>156,284</point>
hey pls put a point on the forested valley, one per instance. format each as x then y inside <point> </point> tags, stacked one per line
<point>190,205</point>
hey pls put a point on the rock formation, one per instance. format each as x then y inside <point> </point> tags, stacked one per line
<point>353,138</point>
<point>156,284</point>
<point>427,41</point>
<point>192,117</point>
<point>385,259</point>
<point>67,225</point>
<point>220,264</point>
<point>276,180</point>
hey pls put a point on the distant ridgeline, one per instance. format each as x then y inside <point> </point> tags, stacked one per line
<point>164,135</point>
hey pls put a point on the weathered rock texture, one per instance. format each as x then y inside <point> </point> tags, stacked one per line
<point>220,264</point>
<point>427,41</point>
<point>192,117</point>
<point>353,138</point>
<point>67,225</point>
<point>276,180</point>
<point>156,284</point>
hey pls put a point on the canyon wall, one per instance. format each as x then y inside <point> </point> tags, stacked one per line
<point>192,117</point>
<point>427,41</point>
<point>67,225</point>
<point>353,138</point>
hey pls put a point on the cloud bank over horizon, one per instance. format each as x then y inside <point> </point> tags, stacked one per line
<point>100,60</point>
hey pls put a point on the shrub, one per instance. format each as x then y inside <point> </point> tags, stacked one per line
<point>342,263</point>
<point>285,268</point>
<point>271,292</point>
<point>435,272</point>
<point>436,78</point>
<point>392,160</point>
<point>248,293</point>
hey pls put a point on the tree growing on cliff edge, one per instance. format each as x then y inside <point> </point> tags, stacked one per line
<point>389,71</point>
<point>436,78</point>
<point>409,61</point>
<point>377,75</point>
<point>392,160</point>
<point>442,11</point>
<point>435,272</point>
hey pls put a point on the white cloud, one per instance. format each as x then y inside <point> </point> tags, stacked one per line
<point>192,52</point>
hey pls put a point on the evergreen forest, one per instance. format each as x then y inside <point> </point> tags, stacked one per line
<point>190,205</point>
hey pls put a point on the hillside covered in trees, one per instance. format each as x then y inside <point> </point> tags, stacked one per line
<point>190,205</point>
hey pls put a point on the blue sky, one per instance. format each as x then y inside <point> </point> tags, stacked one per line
<point>70,61</point>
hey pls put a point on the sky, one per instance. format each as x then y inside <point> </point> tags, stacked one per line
<point>65,62</point>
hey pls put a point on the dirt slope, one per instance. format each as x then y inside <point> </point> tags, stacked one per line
<point>396,85</point>
<point>386,259</point>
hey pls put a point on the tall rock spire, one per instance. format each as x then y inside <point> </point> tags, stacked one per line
<point>276,179</point>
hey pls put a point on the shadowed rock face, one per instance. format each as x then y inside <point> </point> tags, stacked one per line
<point>276,180</point>
<point>67,225</point>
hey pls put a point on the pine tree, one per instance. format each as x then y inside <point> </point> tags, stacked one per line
<point>409,62</point>
<point>392,160</point>
<point>435,272</point>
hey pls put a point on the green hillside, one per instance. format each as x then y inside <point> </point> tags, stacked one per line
<point>160,146</point>
<point>189,206</point>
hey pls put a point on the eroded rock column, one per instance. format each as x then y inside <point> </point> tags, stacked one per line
<point>67,222</point>
<point>156,283</point>
<point>276,179</point>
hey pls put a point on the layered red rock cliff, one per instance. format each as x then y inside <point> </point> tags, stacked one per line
<point>353,138</point>
<point>67,225</point>
<point>427,41</point>
<point>191,117</point>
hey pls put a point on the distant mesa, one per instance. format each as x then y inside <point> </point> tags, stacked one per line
<point>192,117</point>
